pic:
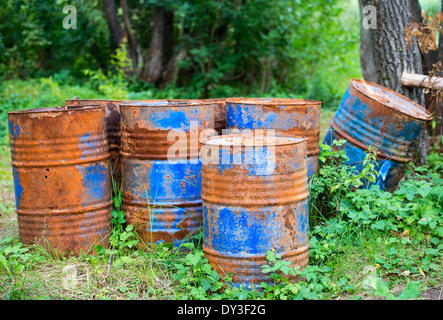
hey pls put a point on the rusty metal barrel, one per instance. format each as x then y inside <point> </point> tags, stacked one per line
<point>288,117</point>
<point>60,160</point>
<point>255,199</point>
<point>372,115</point>
<point>113,128</point>
<point>161,167</point>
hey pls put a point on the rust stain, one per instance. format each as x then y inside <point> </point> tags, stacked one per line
<point>162,199</point>
<point>288,117</point>
<point>113,128</point>
<point>60,160</point>
<point>249,209</point>
<point>372,115</point>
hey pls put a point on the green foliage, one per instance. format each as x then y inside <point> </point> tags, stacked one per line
<point>34,42</point>
<point>412,290</point>
<point>334,180</point>
<point>15,261</point>
<point>196,276</point>
<point>313,283</point>
<point>230,48</point>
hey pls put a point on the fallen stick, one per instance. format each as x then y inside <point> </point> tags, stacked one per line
<point>421,81</point>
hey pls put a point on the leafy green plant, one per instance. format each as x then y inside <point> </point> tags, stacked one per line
<point>412,290</point>
<point>313,282</point>
<point>196,276</point>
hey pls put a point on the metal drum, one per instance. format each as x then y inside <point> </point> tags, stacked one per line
<point>161,167</point>
<point>372,115</point>
<point>255,199</point>
<point>113,129</point>
<point>288,117</point>
<point>60,160</point>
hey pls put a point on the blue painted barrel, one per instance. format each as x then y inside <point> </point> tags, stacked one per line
<point>288,117</point>
<point>372,115</point>
<point>161,167</point>
<point>60,160</point>
<point>255,199</point>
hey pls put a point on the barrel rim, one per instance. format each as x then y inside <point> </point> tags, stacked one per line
<point>94,100</point>
<point>59,109</point>
<point>279,140</point>
<point>222,99</point>
<point>425,115</point>
<point>274,102</point>
<point>172,103</point>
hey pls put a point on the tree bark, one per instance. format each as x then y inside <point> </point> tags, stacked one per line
<point>437,132</point>
<point>366,53</point>
<point>389,48</point>
<point>392,58</point>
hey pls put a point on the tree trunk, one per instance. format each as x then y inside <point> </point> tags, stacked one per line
<point>115,28</point>
<point>161,45</point>
<point>389,48</point>
<point>392,58</point>
<point>134,50</point>
<point>366,53</point>
<point>428,60</point>
<point>170,72</point>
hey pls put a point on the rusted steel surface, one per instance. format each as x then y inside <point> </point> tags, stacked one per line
<point>113,128</point>
<point>219,114</point>
<point>372,115</point>
<point>288,117</point>
<point>162,196</point>
<point>60,160</point>
<point>251,206</point>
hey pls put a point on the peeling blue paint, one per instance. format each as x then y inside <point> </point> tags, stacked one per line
<point>259,161</point>
<point>242,231</point>
<point>167,119</point>
<point>86,144</point>
<point>18,188</point>
<point>161,181</point>
<point>94,177</point>
<point>14,130</point>
<point>392,137</point>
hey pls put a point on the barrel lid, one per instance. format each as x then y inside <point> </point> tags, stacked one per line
<point>391,99</point>
<point>166,102</point>
<point>273,102</point>
<point>58,109</point>
<point>250,140</point>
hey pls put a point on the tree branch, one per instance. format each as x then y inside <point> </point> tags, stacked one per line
<point>421,81</point>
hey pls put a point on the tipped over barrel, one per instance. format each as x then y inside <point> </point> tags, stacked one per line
<point>60,160</point>
<point>372,115</point>
<point>289,117</point>
<point>161,167</point>
<point>255,199</point>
